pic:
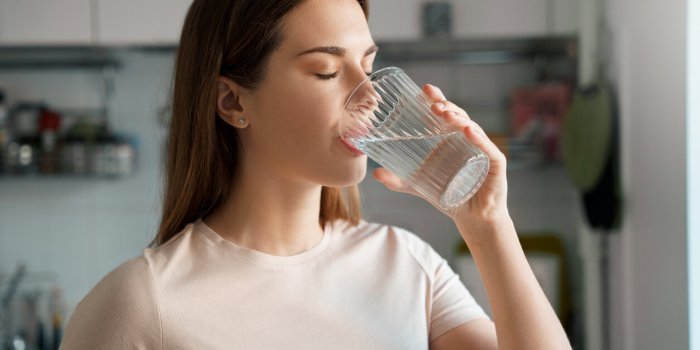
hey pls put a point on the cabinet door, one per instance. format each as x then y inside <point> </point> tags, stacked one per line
<point>402,19</point>
<point>140,22</point>
<point>395,19</point>
<point>565,16</point>
<point>500,18</point>
<point>45,22</point>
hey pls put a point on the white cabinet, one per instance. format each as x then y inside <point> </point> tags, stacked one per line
<point>566,16</point>
<point>159,22</point>
<point>395,19</point>
<point>139,22</point>
<point>500,18</point>
<point>45,22</point>
<point>402,19</point>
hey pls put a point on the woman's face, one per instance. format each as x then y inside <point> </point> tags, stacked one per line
<point>294,114</point>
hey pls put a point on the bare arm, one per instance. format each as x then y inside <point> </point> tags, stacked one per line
<point>523,316</point>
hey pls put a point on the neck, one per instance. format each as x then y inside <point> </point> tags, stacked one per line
<point>270,214</point>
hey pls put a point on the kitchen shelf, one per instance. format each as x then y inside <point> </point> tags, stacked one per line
<point>478,51</point>
<point>53,58</point>
<point>61,178</point>
<point>460,51</point>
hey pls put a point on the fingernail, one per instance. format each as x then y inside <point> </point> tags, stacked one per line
<point>440,105</point>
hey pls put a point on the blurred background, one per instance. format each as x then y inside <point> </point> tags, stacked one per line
<point>594,102</point>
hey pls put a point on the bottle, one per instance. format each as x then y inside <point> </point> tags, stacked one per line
<point>57,309</point>
<point>49,123</point>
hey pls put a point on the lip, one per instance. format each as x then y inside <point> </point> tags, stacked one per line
<point>354,151</point>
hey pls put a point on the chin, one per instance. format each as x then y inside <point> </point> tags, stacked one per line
<point>347,175</point>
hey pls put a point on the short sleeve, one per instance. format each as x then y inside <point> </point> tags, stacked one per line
<point>120,312</point>
<point>451,304</point>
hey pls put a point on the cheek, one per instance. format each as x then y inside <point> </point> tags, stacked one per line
<point>307,116</point>
<point>297,130</point>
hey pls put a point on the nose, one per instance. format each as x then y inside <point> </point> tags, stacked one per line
<point>363,93</point>
<point>358,114</point>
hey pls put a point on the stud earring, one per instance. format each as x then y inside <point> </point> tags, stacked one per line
<point>241,121</point>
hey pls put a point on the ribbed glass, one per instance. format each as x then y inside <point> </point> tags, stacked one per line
<point>389,118</point>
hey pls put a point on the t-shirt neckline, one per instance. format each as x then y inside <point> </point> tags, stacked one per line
<point>264,258</point>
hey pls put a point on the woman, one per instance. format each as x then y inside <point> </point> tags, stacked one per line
<point>259,248</point>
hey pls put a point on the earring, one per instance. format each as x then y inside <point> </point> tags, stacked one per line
<point>241,121</point>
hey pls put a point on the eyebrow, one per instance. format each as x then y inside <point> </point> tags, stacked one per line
<point>337,51</point>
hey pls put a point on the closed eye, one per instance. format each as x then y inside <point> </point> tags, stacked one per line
<point>327,76</point>
<point>333,75</point>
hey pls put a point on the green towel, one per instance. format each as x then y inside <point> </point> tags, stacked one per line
<point>587,136</point>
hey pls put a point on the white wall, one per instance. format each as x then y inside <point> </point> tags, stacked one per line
<point>694,171</point>
<point>650,286</point>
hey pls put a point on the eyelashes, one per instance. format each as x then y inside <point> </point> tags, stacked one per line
<point>327,76</point>
<point>333,75</point>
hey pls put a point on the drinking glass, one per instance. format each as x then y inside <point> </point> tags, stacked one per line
<point>389,118</point>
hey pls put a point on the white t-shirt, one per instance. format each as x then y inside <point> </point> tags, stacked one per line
<point>369,286</point>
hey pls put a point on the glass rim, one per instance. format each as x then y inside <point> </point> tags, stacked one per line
<point>374,75</point>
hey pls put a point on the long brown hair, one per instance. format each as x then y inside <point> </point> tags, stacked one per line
<point>233,38</point>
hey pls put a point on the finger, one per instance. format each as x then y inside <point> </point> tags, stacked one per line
<point>440,108</point>
<point>436,96</point>
<point>478,128</point>
<point>390,180</point>
<point>433,92</point>
<point>455,119</point>
<point>481,141</point>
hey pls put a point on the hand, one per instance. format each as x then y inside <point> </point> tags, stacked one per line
<point>489,204</point>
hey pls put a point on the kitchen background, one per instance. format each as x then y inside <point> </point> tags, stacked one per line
<point>84,107</point>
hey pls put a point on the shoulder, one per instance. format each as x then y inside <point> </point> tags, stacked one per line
<point>365,229</point>
<point>120,311</point>
<point>129,284</point>
<point>133,273</point>
<point>178,252</point>
<point>394,237</point>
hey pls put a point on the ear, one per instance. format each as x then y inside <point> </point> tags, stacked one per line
<point>228,103</point>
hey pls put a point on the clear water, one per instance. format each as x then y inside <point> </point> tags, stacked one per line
<point>441,166</point>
